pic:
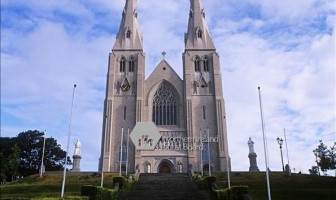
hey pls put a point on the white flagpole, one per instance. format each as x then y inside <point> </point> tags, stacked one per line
<point>44,139</point>
<point>201,152</point>
<point>121,149</point>
<point>69,132</point>
<point>265,147</point>
<point>127,150</point>
<point>103,156</point>
<point>209,151</point>
<point>289,170</point>
<point>227,164</point>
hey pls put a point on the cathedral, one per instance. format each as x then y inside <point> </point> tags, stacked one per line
<point>189,107</point>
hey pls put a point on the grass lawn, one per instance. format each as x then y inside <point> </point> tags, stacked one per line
<point>51,184</point>
<point>283,187</point>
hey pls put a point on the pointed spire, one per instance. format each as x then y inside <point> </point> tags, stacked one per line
<point>198,35</point>
<point>129,35</point>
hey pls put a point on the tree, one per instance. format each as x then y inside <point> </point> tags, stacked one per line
<point>313,170</point>
<point>325,157</point>
<point>14,161</point>
<point>3,167</point>
<point>31,145</point>
<point>6,145</point>
<point>332,155</point>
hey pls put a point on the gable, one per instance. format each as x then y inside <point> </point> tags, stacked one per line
<point>163,72</point>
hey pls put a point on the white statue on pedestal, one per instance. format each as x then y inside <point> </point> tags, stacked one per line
<point>251,146</point>
<point>77,148</point>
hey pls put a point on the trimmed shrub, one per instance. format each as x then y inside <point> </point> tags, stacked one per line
<point>196,177</point>
<point>124,184</point>
<point>233,193</point>
<point>134,177</point>
<point>89,190</point>
<point>104,193</point>
<point>98,193</point>
<point>206,182</point>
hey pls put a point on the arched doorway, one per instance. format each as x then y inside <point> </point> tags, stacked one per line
<point>206,168</point>
<point>123,168</point>
<point>165,166</point>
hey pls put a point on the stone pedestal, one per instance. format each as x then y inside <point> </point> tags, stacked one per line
<point>253,162</point>
<point>76,163</point>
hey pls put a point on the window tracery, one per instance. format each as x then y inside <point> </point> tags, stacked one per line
<point>165,105</point>
<point>123,152</point>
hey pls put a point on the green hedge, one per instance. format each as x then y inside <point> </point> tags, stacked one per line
<point>124,184</point>
<point>98,193</point>
<point>196,177</point>
<point>89,190</point>
<point>232,193</point>
<point>134,177</point>
<point>206,182</point>
<point>105,193</point>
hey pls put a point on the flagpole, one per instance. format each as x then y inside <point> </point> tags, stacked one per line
<point>201,152</point>
<point>69,132</point>
<point>44,139</point>
<point>209,151</point>
<point>103,154</point>
<point>227,163</point>
<point>265,147</point>
<point>127,150</point>
<point>121,149</point>
<point>289,170</point>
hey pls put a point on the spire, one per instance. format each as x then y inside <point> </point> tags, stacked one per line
<point>198,35</point>
<point>129,35</point>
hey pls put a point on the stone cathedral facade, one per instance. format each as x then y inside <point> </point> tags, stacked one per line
<point>191,106</point>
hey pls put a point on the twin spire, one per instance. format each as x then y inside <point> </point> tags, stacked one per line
<point>129,35</point>
<point>197,37</point>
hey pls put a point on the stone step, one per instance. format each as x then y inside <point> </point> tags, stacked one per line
<point>165,187</point>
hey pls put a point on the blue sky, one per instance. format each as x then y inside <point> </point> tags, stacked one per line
<point>286,47</point>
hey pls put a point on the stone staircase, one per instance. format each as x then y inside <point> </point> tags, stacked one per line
<point>165,187</point>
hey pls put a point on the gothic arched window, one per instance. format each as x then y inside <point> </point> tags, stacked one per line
<point>123,152</point>
<point>197,63</point>
<point>122,64</point>
<point>206,64</point>
<point>128,34</point>
<point>205,152</point>
<point>199,33</point>
<point>165,105</point>
<point>131,63</point>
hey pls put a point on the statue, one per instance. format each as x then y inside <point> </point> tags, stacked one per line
<point>77,148</point>
<point>252,156</point>
<point>251,146</point>
<point>76,157</point>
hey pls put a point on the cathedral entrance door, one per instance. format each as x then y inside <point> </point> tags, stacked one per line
<point>206,169</point>
<point>164,168</point>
